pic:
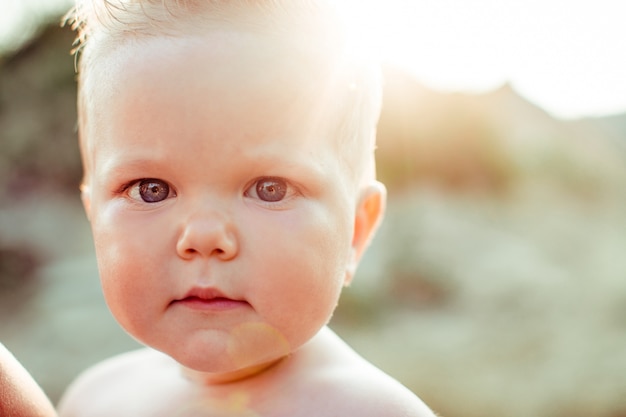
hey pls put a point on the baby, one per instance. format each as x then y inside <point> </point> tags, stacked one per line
<point>230,186</point>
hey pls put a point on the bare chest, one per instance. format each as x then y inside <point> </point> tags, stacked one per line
<point>183,399</point>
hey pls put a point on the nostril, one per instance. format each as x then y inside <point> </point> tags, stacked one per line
<point>199,240</point>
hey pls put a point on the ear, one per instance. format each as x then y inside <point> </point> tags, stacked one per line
<point>369,213</point>
<point>85,196</point>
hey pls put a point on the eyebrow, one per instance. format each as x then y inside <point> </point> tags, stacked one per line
<point>268,160</point>
<point>301,162</point>
<point>114,164</point>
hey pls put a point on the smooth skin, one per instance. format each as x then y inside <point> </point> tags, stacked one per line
<point>20,396</point>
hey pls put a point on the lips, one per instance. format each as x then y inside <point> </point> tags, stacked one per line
<point>209,299</point>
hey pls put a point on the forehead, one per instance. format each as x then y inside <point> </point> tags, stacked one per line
<point>222,67</point>
<point>305,31</point>
<point>224,83</point>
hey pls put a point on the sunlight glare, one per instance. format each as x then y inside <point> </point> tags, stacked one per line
<point>565,56</point>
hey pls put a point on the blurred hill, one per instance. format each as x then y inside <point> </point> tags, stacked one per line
<point>495,287</point>
<point>490,142</point>
<point>38,116</point>
<point>613,127</point>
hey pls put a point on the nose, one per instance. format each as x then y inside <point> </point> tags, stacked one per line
<point>207,234</point>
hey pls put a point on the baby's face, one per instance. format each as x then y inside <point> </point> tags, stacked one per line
<point>222,215</point>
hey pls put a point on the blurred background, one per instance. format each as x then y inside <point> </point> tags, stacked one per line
<point>497,284</point>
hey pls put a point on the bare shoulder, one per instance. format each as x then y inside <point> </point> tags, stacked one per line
<point>353,386</point>
<point>103,385</point>
<point>386,396</point>
<point>373,393</point>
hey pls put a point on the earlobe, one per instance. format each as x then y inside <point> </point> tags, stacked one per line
<point>369,213</point>
<point>85,196</point>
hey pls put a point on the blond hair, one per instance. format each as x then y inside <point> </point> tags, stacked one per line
<point>313,25</point>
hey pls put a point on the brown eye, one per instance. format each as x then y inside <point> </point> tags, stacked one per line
<point>153,191</point>
<point>271,189</point>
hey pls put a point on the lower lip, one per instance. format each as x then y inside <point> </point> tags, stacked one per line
<point>213,304</point>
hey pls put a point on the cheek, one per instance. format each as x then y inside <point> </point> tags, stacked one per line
<point>301,270</point>
<point>128,258</point>
<point>119,277</point>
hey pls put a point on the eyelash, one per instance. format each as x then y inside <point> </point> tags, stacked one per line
<point>285,190</point>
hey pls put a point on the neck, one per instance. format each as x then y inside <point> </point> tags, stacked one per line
<point>211,378</point>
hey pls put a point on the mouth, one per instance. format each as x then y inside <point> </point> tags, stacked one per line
<point>209,299</point>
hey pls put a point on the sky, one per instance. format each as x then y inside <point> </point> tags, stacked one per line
<point>567,56</point>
